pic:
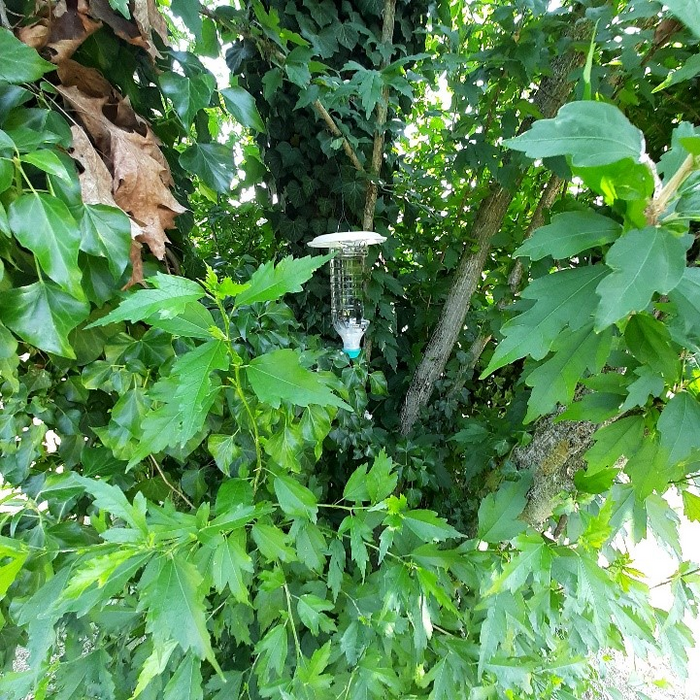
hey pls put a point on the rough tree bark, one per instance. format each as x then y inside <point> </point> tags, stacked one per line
<point>553,92</point>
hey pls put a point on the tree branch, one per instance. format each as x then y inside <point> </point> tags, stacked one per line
<point>335,130</point>
<point>4,19</point>
<point>382,113</point>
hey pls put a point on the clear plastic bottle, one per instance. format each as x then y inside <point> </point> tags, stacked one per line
<point>347,281</point>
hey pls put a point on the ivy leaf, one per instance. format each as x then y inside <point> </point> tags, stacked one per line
<point>106,233</point>
<point>195,392</point>
<point>650,342</point>
<point>561,299</point>
<point>229,562</point>
<point>687,12</point>
<point>189,12</point>
<point>241,104</point>
<point>169,297</point>
<point>295,499</point>
<point>679,425</point>
<point>277,376</point>
<point>48,162</point>
<point>569,234</point>
<point>621,438</point>
<point>643,262</point>
<point>498,512</point>
<point>188,95</point>
<point>270,282</point>
<point>590,133</point>
<point>272,543</point>
<point>555,380</point>
<point>20,63</point>
<point>186,683</point>
<point>212,162</point>
<point>426,525</point>
<point>43,315</point>
<point>175,604</point>
<point>44,225</point>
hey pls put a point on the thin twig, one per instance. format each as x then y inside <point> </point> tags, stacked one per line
<point>173,488</point>
<point>334,129</point>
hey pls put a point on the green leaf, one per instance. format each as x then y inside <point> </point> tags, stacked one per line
<point>687,71</point>
<point>189,12</point>
<point>648,469</point>
<point>170,297</point>
<point>555,380</point>
<point>106,233</point>
<point>175,603</point>
<point>20,63</point>
<point>639,391</point>
<point>43,315</point>
<point>188,95</point>
<point>691,506</point>
<point>643,262</point>
<point>277,376</point>
<point>533,558</point>
<point>9,571</point>
<point>224,449</point>
<point>590,133</point>
<point>295,499</point>
<point>195,321</point>
<point>650,342</point>
<point>154,665</point>
<point>44,225</point>
<point>195,391</point>
<point>621,438</point>
<point>49,162</point>
<point>624,180</point>
<point>687,12</point>
<point>241,104</point>
<point>121,6</point>
<point>112,499</point>
<point>686,297</point>
<point>270,282</point>
<point>561,299</point>
<point>679,425</point>
<point>229,563</point>
<point>296,66</point>
<point>569,234</point>
<point>356,486</point>
<point>381,479</point>
<point>272,543</point>
<point>498,512</point>
<point>272,651</point>
<point>186,683</point>
<point>426,525</point>
<point>312,610</point>
<point>212,162</point>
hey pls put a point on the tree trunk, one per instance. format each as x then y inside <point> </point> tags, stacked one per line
<point>550,96</point>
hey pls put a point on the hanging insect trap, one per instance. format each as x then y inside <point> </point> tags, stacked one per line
<point>347,279</point>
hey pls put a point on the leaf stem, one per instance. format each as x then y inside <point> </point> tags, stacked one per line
<point>660,202</point>
<point>297,646</point>
<point>171,486</point>
<point>256,434</point>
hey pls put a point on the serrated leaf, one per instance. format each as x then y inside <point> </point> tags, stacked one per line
<point>311,610</point>
<point>590,133</point>
<point>169,297</point>
<point>356,486</point>
<point>44,225</point>
<point>426,525</point>
<point>295,499</point>
<point>43,315</point>
<point>195,321</point>
<point>195,391</point>
<point>188,94</point>
<point>686,72</point>
<point>679,425</point>
<point>381,479</point>
<point>650,342</point>
<point>569,234</point>
<point>175,604</point>
<point>686,297</point>
<point>561,299</point>
<point>229,563</point>
<point>277,376</point>
<point>154,665</point>
<point>555,380</point>
<point>643,262</point>
<point>20,63</point>
<point>270,282</point>
<point>621,438</point>
<point>272,651</point>
<point>241,104</point>
<point>691,506</point>
<point>212,162</point>
<point>186,683</point>
<point>272,543</point>
<point>648,469</point>
<point>498,512</point>
<point>638,392</point>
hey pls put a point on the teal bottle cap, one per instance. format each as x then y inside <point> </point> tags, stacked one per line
<point>352,354</point>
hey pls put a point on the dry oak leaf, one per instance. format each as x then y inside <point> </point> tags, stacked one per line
<point>87,80</point>
<point>69,24</point>
<point>140,173</point>
<point>150,21</point>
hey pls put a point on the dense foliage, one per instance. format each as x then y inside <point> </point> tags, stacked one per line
<point>202,497</point>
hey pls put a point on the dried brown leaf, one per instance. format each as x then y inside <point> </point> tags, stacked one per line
<point>136,265</point>
<point>34,35</point>
<point>87,80</point>
<point>122,27</point>
<point>150,21</point>
<point>69,26</point>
